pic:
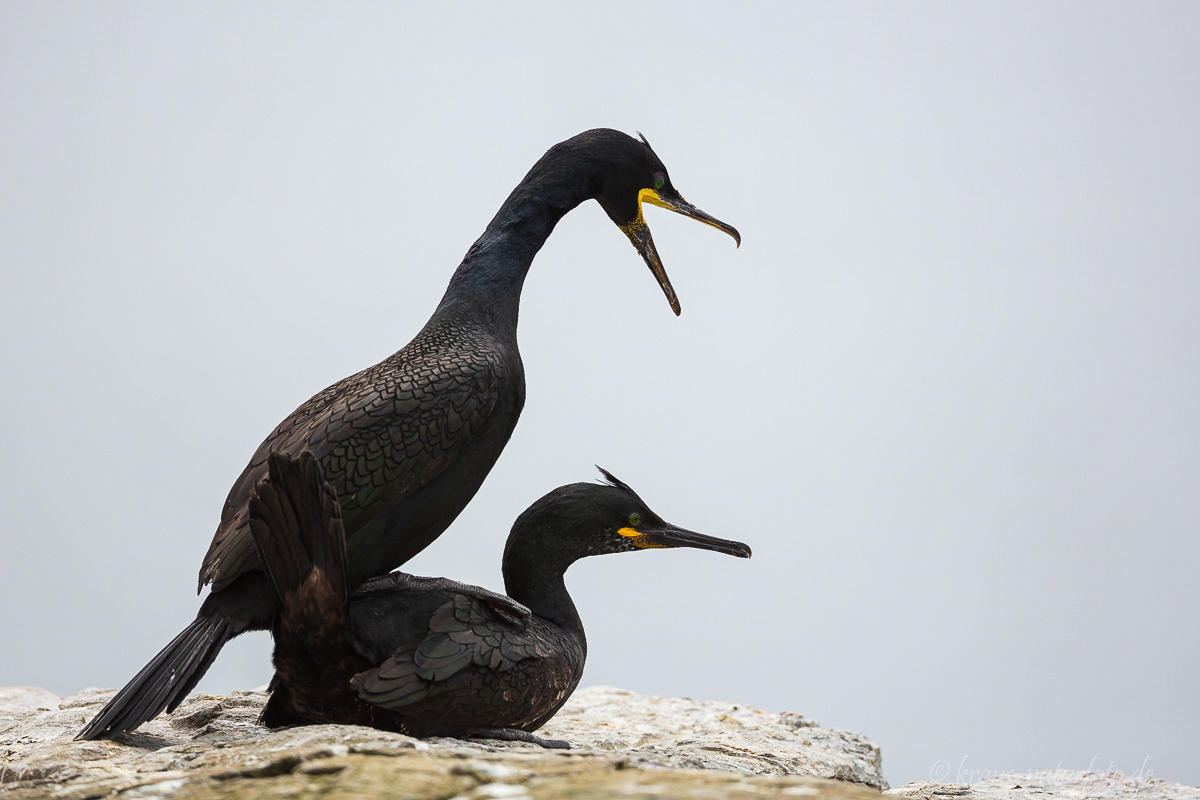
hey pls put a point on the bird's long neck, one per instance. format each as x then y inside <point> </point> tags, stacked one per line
<point>536,581</point>
<point>488,282</point>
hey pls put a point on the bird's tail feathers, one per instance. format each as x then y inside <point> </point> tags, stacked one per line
<point>165,681</point>
<point>296,523</point>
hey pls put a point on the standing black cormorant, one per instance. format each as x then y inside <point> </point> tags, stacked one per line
<point>407,443</point>
<point>429,656</point>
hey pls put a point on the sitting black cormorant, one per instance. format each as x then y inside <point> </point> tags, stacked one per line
<point>407,443</point>
<point>429,656</point>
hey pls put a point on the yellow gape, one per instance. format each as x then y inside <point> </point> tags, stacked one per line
<point>633,534</point>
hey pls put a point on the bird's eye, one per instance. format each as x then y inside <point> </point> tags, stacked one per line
<point>658,183</point>
<point>635,519</point>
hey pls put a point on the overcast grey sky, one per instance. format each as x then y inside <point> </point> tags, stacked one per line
<point>948,388</point>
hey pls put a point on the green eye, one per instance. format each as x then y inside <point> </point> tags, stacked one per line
<point>635,519</point>
<point>658,183</point>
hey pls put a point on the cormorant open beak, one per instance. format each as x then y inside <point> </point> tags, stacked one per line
<point>639,233</point>
<point>670,536</point>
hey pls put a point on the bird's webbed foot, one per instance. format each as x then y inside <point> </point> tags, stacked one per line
<point>511,735</point>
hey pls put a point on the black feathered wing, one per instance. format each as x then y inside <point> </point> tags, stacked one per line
<point>296,526</point>
<point>477,666</point>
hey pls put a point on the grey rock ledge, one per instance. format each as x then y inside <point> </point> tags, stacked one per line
<point>619,739</point>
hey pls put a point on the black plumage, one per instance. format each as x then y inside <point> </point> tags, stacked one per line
<point>429,656</point>
<point>406,443</point>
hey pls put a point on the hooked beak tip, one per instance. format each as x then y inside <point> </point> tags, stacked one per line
<point>729,229</point>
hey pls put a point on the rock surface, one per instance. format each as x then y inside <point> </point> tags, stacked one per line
<point>1059,783</point>
<point>625,744</point>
